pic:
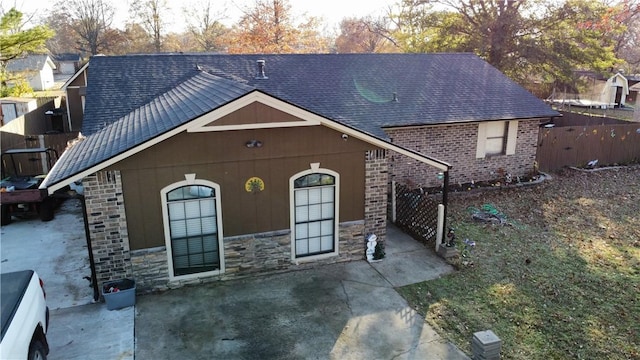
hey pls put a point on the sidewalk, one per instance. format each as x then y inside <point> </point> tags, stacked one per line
<point>407,261</point>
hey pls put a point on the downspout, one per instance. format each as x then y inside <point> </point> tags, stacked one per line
<point>92,264</point>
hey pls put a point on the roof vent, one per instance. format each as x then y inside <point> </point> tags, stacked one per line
<point>260,74</point>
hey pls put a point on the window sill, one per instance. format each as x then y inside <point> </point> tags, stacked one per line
<point>308,259</point>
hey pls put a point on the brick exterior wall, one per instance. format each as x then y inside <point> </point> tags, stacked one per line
<point>151,269</point>
<point>107,226</point>
<point>456,144</point>
<point>245,256</point>
<point>375,195</point>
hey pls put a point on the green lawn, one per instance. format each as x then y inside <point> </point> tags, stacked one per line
<point>560,281</point>
<point>611,113</point>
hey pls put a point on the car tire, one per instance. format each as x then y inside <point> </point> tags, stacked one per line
<point>5,213</point>
<point>37,351</point>
<point>47,208</point>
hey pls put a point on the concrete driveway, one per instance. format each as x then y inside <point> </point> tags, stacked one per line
<point>79,328</point>
<point>56,250</point>
<point>340,311</point>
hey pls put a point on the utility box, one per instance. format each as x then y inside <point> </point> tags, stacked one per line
<point>486,345</point>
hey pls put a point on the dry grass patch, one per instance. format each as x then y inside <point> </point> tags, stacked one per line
<point>560,281</point>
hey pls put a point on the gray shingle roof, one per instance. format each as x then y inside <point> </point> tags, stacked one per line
<point>33,62</point>
<point>67,57</point>
<point>131,99</point>
<point>356,89</point>
<point>195,96</point>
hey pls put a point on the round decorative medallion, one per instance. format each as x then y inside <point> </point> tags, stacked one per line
<point>254,184</point>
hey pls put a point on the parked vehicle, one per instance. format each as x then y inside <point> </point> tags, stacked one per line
<point>23,170</point>
<point>25,316</point>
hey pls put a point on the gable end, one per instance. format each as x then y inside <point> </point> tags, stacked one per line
<point>247,113</point>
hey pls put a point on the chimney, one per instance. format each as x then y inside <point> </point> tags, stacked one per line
<point>261,74</point>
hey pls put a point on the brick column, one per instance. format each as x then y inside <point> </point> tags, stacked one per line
<point>375,193</point>
<point>107,225</point>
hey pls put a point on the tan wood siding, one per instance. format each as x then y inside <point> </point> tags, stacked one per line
<point>75,107</point>
<point>223,158</point>
<point>79,80</point>
<point>256,113</point>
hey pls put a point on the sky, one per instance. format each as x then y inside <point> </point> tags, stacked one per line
<point>332,11</point>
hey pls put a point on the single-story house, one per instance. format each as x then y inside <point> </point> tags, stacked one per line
<point>203,166</point>
<point>68,63</point>
<point>634,89</point>
<point>38,69</point>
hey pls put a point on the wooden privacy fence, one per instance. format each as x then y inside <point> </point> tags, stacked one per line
<point>580,119</point>
<point>577,145</point>
<point>57,142</point>
<point>416,213</point>
<point>27,163</point>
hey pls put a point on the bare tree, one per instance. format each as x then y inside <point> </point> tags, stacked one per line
<point>150,14</point>
<point>364,35</point>
<point>204,23</point>
<point>133,39</point>
<point>627,42</point>
<point>91,21</point>
<point>66,40</point>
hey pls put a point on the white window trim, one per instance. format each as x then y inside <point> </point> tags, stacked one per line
<point>292,216</point>
<point>512,136</point>
<point>167,232</point>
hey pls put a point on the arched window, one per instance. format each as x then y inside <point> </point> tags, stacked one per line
<point>314,224</point>
<point>193,229</point>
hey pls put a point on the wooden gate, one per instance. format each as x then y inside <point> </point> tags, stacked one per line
<point>416,213</point>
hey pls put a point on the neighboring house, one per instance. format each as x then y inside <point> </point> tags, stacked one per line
<point>38,69</point>
<point>215,166</point>
<point>68,63</point>
<point>75,89</point>
<point>596,91</point>
<point>636,109</point>
<point>634,89</point>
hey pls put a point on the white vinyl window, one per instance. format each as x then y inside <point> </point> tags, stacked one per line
<point>496,138</point>
<point>314,215</point>
<point>193,229</point>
